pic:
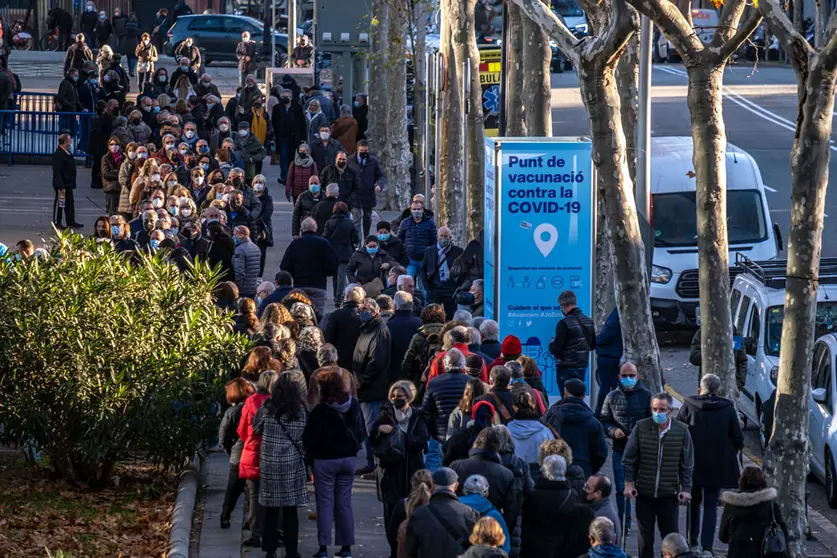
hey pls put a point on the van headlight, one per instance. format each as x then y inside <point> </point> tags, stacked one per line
<point>660,274</point>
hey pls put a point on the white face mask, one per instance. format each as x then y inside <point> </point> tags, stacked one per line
<point>258,187</point>
<point>157,203</point>
<point>223,127</point>
<point>155,176</point>
<point>186,212</point>
<point>324,135</point>
<point>190,134</point>
<point>243,133</point>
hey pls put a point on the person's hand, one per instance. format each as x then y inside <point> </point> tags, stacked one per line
<point>288,197</point>
<point>378,189</point>
<point>618,434</point>
<point>684,497</point>
<point>385,429</point>
<point>630,491</point>
<point>295,236</point>
<point>247,58</point>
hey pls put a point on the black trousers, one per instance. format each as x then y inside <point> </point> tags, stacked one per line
<point>96,173</point>
<point>69,208</point>
<point>112,202</point>
<point>263,247</point>
<point>664,512</point>
<point>367,220</point>
<point>235,488</point>
<point>290,526</point>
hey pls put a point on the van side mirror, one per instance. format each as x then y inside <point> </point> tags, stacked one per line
<point>749,346</point>
<point>777,232</point>
<point>819,395</point>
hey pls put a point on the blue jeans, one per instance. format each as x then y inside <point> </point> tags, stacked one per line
<point>414,270</point>
<point>286,154</point>
<point>623,505</point>
<point>433,459</point>
<point>370,410</point>
<point>565,374</point>
<point>607,374</point>
<point>708,497</point>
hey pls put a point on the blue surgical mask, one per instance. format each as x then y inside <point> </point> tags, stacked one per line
<point>236,240</point>
<point>115,230</point>
<point>383,237</point>
<point>204,149</point>
<point>174,230</point>
<point>371,251</point>
<point>205,166</point>
<point>628,383</point>
<point>315,189</point>
<point>356,104</point>
<point>365,316</point>
<point>259,301</point>
<point>659,418</point>
<point>157,109</point>
<point>154,243</point>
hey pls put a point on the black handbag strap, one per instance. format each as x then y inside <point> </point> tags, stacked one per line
<point>288,436</point>
<point>447,527</point>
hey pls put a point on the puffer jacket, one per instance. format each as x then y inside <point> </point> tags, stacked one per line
<point>228,433</point>
<point>126,171</point>
<point>363,268</point>
<point>296,183</point>
<point>482,506</point>
<point>528,435</point>
<point>304,208</point>
<point>370,363</point>
<point>441,398</point>
<point>524,484</point>
<point>573,420</point>
<point>622,409</point>
<point>575,337</point>
<point>248,466</point>
<point>251,151</point>
<point>110,173</point>
<point>141,133</point>
<point>343,235</point>
<point>247,264</point>
<point>417,237</point>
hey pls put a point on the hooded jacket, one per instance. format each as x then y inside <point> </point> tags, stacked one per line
<point>717,438</point>
<point>746,515</point>
<point>528,436</point>
<point>501,482</point>
<point>371,361</point>
<point>605,551</point>
<point>573,420</point>
<point>482,506</point>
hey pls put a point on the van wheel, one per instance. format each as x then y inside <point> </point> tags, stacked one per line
<point>830,475</point>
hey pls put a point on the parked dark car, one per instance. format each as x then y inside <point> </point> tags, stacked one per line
<point>217,35</point>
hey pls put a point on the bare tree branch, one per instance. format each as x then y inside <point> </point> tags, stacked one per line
<point>551,24</point>
<point>780,24</point>
<point>828,54</point>
<point>734,41</point>
<point>623,22</point>
<point>728,21</point>
<point>674,25</point>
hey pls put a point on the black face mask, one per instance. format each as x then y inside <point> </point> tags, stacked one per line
<point>341,164</point>
<point>236,182</point>
<point>286,101</point>
<point>363,154</point>
<point>235,204</point>
<point>399,403</point>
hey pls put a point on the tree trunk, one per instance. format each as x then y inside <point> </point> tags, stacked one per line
<point>537,57</point>
<point>396,156</point>
<point>798,6</point>
<point>627,81</point>
<point>450,186</point>
<point>787,463</point>
<point>419,18</point>
<point>605,294</point>
<point>475,129</point>
<point>378,73</point>
<point>709,156</point>
<point>515,113</point>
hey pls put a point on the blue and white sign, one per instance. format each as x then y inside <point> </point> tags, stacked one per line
<point>540,232</point>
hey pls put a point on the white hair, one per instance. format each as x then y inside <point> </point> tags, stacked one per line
<point>554,468</point>
<point>354,293</point>
<point>454,360</point>
<point>308,225</point>
<point>463,316</point>
<point>490,330</point>
<point>403,300</point>
<point>332,190</point>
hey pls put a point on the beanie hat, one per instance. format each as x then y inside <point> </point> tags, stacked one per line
<point>511,346</point>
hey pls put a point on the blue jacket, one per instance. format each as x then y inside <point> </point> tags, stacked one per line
<point>402,326</point>
<point>528,435</point>
<point>442,396</point>
<point>310,259</point>
<point>606,551</point>
<point>573,420</point>
<point>275,296</point>
<point>609,339</point>
<point>417,236</point>
<point>482,506</point>
<point>369,175</point>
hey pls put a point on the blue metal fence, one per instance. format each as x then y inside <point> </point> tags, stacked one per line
<point>35,132</point>
<point>35,102</point>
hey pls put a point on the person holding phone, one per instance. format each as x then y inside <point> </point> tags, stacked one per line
<point>658,460</point>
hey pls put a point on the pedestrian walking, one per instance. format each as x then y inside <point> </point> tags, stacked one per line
<point>332,439</point>
<point>237,391</point>
<point>130,42</point>
<point>245,52</point>
<point>146,54</point>
<point>324,148</point>
<point>658,460</point>
<point>64,184</point>
<point>77,54</point>
<point>346,179</point>
<point>367,267</point>
<point>372,182</point>
<point>500,395</point>
<point>311,260</point>
<point>748,512</point>
<point>246,262</point>
<point>717,438</point>
<point>575,337</point>
<point>289,129</point>
<point>189,50</point>
<point>305,204</point>
<point>281,423</point>
<point>436,275</point>
<point>465,426</point>
<point>88,21</point>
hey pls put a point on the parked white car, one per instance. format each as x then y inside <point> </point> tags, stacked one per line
<point>822,426</point>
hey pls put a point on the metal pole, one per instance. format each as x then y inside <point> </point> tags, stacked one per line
<point>292,28</point>
<point>429,72</point>
<point>466,95</point>
<point>504,70</point>
<point>643,141</point>
<point>273,35</point>
<point>440,99</point>
<point>348,78</point>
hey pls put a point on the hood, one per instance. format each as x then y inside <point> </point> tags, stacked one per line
<point>525,429</point>
<point>575,411</point>
<point>708,402</point>
<point>429,329</point>
<point>484,455</point>
<point>744,499</point>
<point>606,551</point>
<point>478,502</point>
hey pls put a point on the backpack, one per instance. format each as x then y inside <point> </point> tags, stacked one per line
<point>431,347</point>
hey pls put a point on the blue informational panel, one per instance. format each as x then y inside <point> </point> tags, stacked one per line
<point>540,235</point>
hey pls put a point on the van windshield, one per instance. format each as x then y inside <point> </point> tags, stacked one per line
<point>567,8</point>
<point>825,322</point>
<point>675,219</point>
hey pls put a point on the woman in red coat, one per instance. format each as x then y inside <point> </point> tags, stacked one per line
<point>302,168</point>
<point>248,467</point>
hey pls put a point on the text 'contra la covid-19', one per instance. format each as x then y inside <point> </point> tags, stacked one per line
<point>540,198</point>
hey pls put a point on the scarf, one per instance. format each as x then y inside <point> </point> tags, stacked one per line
<point>312,115</point>
<point>444,270</point>
<point>403,418</point>
<point>305,163</point>
<point>258,127</point>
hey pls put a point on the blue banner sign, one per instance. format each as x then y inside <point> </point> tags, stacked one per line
<point>540,237</point>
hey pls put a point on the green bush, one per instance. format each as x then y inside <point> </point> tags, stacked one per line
<point>102,359</point>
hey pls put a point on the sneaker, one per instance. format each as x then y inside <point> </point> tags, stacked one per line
<point>372,475</point>
<point>225,523</point>
<point>364,471</point>
<point>345,552</point>
<point>255,542</point>
<point>707,552</point>
<point>321,553</point>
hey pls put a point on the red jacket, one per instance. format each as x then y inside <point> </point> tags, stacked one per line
<point>248,467</point>
<point>437,366</point>
<point>297,180</point>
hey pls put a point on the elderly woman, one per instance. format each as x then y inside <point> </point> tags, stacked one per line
<point>398,420</point>
<point>303,314</point>
<point>327,359</point>
<point>309,343</point>
<point>332,439</point>
<point>302,168</point>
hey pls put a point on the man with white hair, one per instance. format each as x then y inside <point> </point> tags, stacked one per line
<point>324,209</point>
<point>475,495</point>
<point>264,290</point>
<point>604,540</point>
<point>490,333</point>
<point>436,271</point>
<point>343,326</point>
<point>441,398</point>
<point>674,546</point>
<point>407,284</point>
<point>311,260</point>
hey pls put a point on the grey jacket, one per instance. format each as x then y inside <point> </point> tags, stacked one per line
<point>251,151</point>
<point>247,262</point>
<point>228,435</point>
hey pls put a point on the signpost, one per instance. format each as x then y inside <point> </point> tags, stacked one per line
<point>540,238</point>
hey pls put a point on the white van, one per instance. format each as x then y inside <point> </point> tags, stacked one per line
<point>704,21</point>
<point>674,274</point>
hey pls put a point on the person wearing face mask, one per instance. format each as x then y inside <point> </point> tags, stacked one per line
<point>124,177</point>
<point>315,120</point>
<point>289,128</point>
<point>205,87</point>
<point>77,54</point>
<point>324,99</point>
<point>120,130</point>
<point>213,113</point>
<point>367,266</point>
<point>187,214</point>
<point>196,243</point>
<point>67,100</point>
<point>139,130</point>
<point>264,219</point>
<point>119,21</point>
<point>222,131</point>
<point>302,55</point>
<point>148,176</point>
<point>190,51</point>
<point>251,201</point>
<point>159,84</point>
<point>64,182</point>
<point>119,232</point>
<point>305,205</point>
<point>249,149</point>
<point>372,181</point>
<point>324,149</point>
<point>89,18</point>
<point>575,337</point>
<point>155,241</point>
<point>200,185</point>
<point>246,54</point>
<point>260,126</point>
<point>130,42</point>
<point>437,262</point>
<point>183,71</point>
<point>360,112</point>
<point>146,54</point>
<point>659,460</point>
<point>324,209</point>
<point>100,132</point>
<point>237,214</point>
<point>300,173</point>
<point>111,163</point>
<point>417,233</point>
<point>189,138</point>
<point>160,28</point>
<point>346,179</point>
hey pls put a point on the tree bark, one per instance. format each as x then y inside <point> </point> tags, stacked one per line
<point>419,18</point>
<point>516,115</point>
<point>378,73</point>
<point>475,128</point>
<point>605,285</point>
<point>396,156</point>
<point>537,57</point>
<point>627,82</point>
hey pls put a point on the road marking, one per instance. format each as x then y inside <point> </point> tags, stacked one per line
<point>769,189</point>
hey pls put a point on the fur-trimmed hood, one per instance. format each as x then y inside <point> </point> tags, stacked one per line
<point>748,499</point>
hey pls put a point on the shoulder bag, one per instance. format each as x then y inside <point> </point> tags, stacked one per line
<point>774,544</point>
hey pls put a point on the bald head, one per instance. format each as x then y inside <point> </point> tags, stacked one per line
<point>628,369</point>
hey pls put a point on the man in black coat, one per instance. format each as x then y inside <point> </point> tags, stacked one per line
<point>64,182</point>
<point>716,435</point>
<point>245,52</point>
<point>372,181</point>
<point>66,100</point>
<point>370,366</point>
<point>402,326</point>
<point>324,209</point>
<point>622,408</point>
<point>289,129</point>
<point>427,537</point>
<point>311,260</point>
<point>438,262</point>
<point>342,328</point>
<point>339,173</point>
<point>575,337</point>
<point>575,422</point>
<point>304,207</point>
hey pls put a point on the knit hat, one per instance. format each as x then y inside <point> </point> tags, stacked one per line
<point>243,125</point>
<point>511,346</point>
<point>575,387</point>
<point>486,407</point>
<point>476,484</point>
<point>444,477</point>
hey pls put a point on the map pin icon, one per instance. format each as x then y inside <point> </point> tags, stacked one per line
<point>546,245</point>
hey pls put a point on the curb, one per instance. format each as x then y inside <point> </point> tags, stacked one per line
<point>184,508</point>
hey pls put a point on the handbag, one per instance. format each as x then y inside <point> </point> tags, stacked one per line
<point>391,448</point>
<point>374,287</point>
<point>143,67</point>
<point>774,543</point>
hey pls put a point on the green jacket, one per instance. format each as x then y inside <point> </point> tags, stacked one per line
<point>659,468</point>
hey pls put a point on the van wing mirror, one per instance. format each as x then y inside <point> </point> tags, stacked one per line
<point>819,395</point>
<point>777,232</point>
